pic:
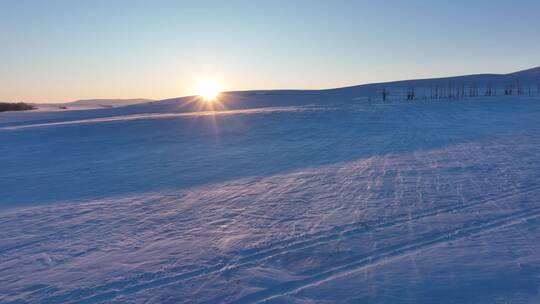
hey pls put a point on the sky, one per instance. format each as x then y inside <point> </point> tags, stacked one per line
<point>64,50</point>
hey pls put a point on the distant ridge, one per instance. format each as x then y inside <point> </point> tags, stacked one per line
<point>528,76</point>
<point>107,102</point>
<point>534,72</point>
<point>522,82</point>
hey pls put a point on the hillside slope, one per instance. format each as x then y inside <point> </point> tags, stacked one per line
<point>426,202</point>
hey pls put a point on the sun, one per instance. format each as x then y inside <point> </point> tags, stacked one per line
<point>208,90</point>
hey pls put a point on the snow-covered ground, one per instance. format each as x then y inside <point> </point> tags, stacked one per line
<point>319,201</point>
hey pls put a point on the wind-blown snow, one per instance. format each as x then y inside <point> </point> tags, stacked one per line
<point>423,202</point>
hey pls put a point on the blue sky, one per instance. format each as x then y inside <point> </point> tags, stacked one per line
<point>61,50</point>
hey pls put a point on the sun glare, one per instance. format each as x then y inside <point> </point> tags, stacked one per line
<point>209,90</point>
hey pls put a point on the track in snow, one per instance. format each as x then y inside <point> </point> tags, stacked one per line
<point>343,232</point>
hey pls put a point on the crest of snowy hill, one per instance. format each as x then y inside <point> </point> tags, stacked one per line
<point>526,80</point>
<point>360,93</point>
<point>530,73</point>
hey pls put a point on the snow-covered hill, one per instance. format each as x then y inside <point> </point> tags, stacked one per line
<point>88,104</point>
<point>425,89</point>
<point>106,102</point>
<point>275,197</point>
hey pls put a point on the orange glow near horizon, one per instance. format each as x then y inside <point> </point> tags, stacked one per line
<point>209,90</point>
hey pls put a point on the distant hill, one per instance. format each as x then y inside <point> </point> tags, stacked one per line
<point>88,104</point>
<point>106,102</point>
<point>530,73</point>
<point>526,78</point>
<point>434,88</point>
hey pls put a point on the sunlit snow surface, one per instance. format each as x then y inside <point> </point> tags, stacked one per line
<point>426,202</point>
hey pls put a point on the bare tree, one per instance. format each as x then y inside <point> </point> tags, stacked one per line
<point>384,94</point>
<point>519,87</point>
<point>509,90</point>
<point>411,95</point>
<point>473,90</point>
<point>459,91</point>
<point>489,89</point>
